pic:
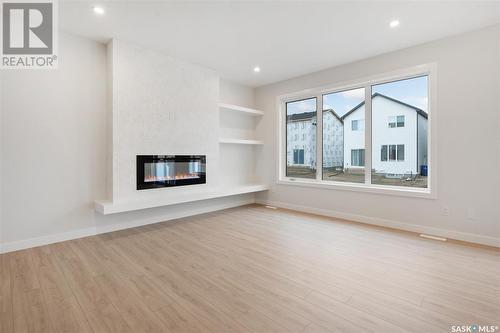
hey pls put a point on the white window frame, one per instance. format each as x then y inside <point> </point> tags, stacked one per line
<point>431,192</point>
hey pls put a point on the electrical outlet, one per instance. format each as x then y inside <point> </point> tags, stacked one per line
<point>446,211</point>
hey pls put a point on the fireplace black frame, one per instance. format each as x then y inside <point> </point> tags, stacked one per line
<point>142,159</point>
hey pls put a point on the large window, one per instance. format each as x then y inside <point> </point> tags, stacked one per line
<point>301,128</point>
<point>399,113</point>
<point>379,125</point>
<point>344,136</point>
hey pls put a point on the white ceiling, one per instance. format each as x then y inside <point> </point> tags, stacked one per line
<point>286,39</point>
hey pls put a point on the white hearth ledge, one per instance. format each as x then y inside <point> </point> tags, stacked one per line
<point>109,207</point>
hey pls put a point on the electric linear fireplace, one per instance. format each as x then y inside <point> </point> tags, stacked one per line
<point>156,171</point>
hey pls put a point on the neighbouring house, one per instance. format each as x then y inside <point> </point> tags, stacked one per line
<point>399,136</point>
<point>301,132</point>
<point>333,140</point>
<point>301,138</point>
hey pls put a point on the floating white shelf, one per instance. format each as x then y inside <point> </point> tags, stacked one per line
<point>241,141</point>
<point>108,207</point>
<point>243,109</point>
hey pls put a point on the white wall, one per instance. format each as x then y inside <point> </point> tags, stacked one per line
<point>237,162</point>
<point>1,157</point>
<point>54,148</point>
<point>237,94</point>
<point>53,142</point>
<point>468,80</point>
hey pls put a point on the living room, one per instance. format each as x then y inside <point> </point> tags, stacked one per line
<point>253,166</point>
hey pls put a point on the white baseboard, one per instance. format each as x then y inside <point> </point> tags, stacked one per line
<point>44,240</point>
<point>96,230</point>
<point>450,234</point>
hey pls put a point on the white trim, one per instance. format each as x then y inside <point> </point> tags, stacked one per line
<point>419,229</point>
<point>97,230</point>
<point>367,83</point>
<point>319,137</point>
<point>44,240</point>
<point>368,135</point>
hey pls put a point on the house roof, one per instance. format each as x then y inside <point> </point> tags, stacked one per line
<point>419,111</point>
<point>334,113</point>
<point>309,115</point>
<point>301,116</point>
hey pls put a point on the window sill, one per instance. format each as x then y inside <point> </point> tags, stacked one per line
<point>364,188</point>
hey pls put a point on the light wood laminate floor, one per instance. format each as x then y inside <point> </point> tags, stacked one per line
<point>250,269</point>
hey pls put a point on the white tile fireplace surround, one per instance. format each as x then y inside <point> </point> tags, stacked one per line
<point>160,105</point>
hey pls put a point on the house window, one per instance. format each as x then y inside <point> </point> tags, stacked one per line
<point>396,121</point>
<point>400,152</point>
<point>298,156</point>
<point>392,153</point>
<point>358,157</point>
<point>358,125</point>
<point>383,153</point>
<point>301,162</point>
<point>339,134</point>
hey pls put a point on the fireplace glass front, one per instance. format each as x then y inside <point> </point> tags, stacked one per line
<point>154,171</point>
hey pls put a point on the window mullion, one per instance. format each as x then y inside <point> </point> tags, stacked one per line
<point>319,137</point>
<point>368,134</point>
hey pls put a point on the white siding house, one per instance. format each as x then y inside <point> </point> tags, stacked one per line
<point>354,138</point>
<point>399,136</point>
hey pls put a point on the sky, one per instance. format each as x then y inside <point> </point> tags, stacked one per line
<point>411,91</point>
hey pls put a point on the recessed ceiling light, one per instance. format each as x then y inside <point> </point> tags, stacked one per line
<point>99,10</point>
<point>394,24</point>
<point>256,69</point>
